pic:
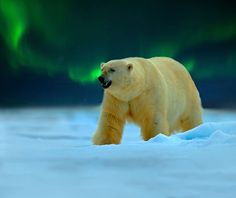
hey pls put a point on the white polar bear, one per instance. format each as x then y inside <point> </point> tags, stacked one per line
<point>158,94</point>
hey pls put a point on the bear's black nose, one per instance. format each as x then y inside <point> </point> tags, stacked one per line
<point>101,79</point>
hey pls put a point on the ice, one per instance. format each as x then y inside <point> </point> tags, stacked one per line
<point>47,152</point>
<point>207,133</point>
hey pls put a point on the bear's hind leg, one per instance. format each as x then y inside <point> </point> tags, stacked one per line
<point>192,120</point>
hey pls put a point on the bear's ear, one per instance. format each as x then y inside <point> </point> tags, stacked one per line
<point>101,65</point>
<point>130,66</point>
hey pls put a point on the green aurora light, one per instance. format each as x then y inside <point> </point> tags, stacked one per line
<point>79,74</point>
<point>13,14</point>
<point>14,17</point>
<point>190,64</point>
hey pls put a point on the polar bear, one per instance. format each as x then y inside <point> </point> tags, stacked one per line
<point>158,94</point>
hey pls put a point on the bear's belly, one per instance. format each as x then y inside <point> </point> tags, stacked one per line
<point>129,116</point>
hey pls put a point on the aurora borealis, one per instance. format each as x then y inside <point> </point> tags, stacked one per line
<point>68,39</point>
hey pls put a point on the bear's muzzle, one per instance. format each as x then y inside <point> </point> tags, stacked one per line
<point>105,82</point>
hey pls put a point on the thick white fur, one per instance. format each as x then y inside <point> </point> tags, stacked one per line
<point>157,94</point>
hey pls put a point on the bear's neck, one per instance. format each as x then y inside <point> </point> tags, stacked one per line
<point>130,92</point>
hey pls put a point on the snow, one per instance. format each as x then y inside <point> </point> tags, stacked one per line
<point>47,152</point>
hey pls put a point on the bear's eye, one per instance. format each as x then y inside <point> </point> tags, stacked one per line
<point>111,70</point>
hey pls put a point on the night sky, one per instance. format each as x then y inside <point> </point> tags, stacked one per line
<point>50,51</point>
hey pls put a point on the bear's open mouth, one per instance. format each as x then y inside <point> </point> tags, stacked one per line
<point>106,83</point>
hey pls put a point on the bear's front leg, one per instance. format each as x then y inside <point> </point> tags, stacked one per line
<point>110,129</point>
<point>111,121</point>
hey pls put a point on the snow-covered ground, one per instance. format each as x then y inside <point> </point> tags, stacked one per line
<point>47,153</point>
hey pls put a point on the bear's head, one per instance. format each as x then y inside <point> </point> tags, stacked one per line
<point>124,78</point>
<point>115,75</point>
